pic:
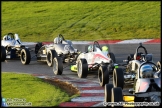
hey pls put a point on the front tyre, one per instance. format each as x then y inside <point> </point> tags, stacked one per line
<point>25,56</point>
<point>57,66</point>
<point>108,88</point>
<point>159,65</point>
<point>82,69</point>
<point>103,75</point>
<point>50,56</point>
<point>118,77</point>
<point>3,54</point>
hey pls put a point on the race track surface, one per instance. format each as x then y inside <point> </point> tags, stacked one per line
<point>121,51</point>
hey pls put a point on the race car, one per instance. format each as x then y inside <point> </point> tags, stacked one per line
<point>95,60</point>
<point>127,75</point>
<point>145,75</point>
<point>61,48</point>
<point>147,87</point>
<point>11,47</point>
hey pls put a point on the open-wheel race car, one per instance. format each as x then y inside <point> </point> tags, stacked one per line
<point>146,78</point>
<point>94,59</point>
<point>60,48</point>
<point>11,48</point>
<point>127,75</point>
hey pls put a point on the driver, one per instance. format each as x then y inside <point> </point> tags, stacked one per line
<point>146,71</point>
<point>57,40</point>
<point>7,37</point>
<point>90,48</point>
<point>105,50</point>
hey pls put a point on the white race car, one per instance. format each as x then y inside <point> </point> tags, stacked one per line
<point>96,60</point>
<point>11,47</point>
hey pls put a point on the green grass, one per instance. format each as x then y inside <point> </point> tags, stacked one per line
<point>81,20</point>
<point>32,89</point>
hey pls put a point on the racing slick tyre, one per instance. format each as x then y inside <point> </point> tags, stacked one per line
<point>116,94</point>
<point>118,77</point>
<point>37,47</point>
<point>50,56</point>
<point>82,69</point>
<point>112,56</point>
<point>103,75</point>
<point>159,65</point>
<point>25,56</point>
<point>108,88</point>
<point>57,66</point>
<point>3,54</point>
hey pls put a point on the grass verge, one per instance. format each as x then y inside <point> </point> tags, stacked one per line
<point>81,20</point>
<point>33,90</point>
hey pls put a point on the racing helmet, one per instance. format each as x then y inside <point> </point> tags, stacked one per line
<point>57,40</point>
<point>90,48</point>
<point>8,37</point>
<point>105,48</point>
<point>146,71</point>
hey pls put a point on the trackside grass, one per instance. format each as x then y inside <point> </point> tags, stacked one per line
<point>32,89</point>
<point>81,20</point>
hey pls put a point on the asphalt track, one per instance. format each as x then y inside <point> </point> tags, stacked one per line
<point>121,51</point>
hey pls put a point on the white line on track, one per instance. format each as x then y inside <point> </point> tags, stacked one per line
<point>87,85</point>
<point>92,91</point>
<point>88,99</point>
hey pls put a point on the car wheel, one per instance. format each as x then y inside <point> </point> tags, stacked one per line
<point>25,56</point>
<point>57,66</point>
<point>50,56</point>
<point>159,65</point>
<point>112,56</point>
<point>116,94</point>
<point>37,47</point>
<point>103,75</point>
<point>108,88</point>
<point>118,77</point>
<point>3,54</point>
<point>82,68</point>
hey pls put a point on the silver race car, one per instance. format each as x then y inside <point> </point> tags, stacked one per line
<point>60,48</point>
<point>132,66</point>
<point>145,76</point>
<point>147,87</point>
<point>11,47</point>
<point>94,59</point>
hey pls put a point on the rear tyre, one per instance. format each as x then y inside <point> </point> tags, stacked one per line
<point>103,75</point>
<point>108,88</point>
<point>3,54</point>
<point>118,77</point>
<point>25,56</point>
<point>82,68</point>
<point>37,47</point>
<point>112,56</point>
<point>57,66</point>
<point>50,56</point>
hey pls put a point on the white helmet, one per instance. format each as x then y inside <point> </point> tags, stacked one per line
<point>16,36</point>
<point>57,40</point>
